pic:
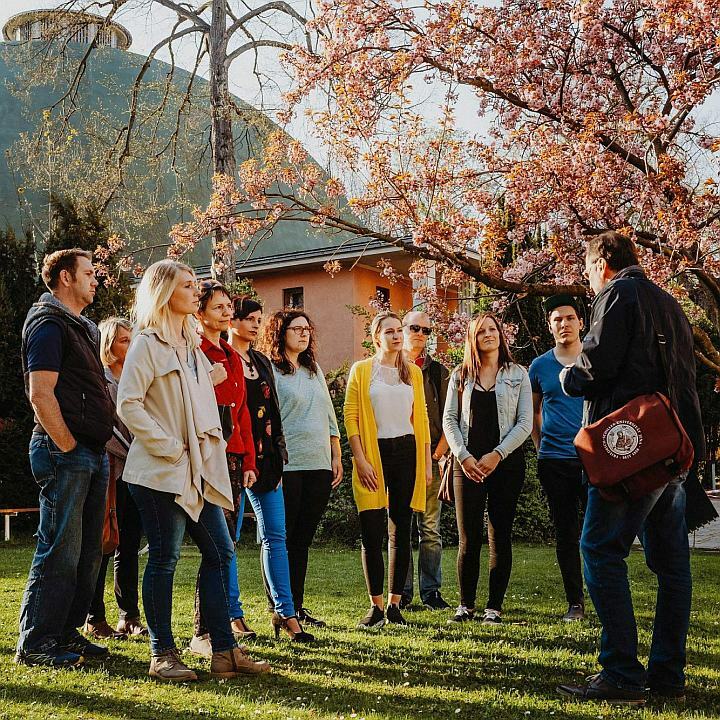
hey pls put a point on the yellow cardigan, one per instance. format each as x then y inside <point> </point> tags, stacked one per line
<point>360,420</point>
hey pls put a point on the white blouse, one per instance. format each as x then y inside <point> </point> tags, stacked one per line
<point>392,402</point>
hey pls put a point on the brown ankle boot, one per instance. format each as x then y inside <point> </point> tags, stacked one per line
<point>170,668</point>
<point>236,662</point>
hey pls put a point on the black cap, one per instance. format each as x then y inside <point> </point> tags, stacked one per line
<point>556,301</point>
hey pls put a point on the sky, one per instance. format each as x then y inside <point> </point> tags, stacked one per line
<point>149,22</point>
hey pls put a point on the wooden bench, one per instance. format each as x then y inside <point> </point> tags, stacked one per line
<point>14,512</point>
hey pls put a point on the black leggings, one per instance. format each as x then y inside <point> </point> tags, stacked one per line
<point>306,494</point>
<point>500,492</point>
<point>398,465</point>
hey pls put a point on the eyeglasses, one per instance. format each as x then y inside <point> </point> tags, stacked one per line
<point>301,329</point>
<point>420,328</point>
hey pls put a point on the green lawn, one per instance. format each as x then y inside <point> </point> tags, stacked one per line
<point>429,670</point>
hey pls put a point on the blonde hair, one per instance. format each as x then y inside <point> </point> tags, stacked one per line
<point>472,359</point>
<point>108,333</point>
<point>401,363</point>
<point>152,298</point>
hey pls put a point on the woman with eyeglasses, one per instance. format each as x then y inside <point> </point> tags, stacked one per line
<point>312,436</point>
<point>266,494</point>
<point>487,418</point>
<point>214,314</point>
<point>176,467</point>
<point>387,426</point>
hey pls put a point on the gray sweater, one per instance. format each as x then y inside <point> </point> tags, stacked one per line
<point>308,419</point>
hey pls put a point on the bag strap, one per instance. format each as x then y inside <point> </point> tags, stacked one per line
<point>661,339</point>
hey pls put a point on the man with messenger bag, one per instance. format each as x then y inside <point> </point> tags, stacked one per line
<point>636,361</point>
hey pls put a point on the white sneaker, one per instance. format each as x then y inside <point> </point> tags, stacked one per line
<point>200,645</point>
<point>491,617</point>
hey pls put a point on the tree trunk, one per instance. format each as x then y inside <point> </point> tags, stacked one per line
<point>221,134</point>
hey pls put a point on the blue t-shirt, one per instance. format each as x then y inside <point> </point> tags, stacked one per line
<point>45,347</point>
<point>561,415</point>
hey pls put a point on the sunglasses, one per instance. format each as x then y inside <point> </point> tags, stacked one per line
<point>420,328</point>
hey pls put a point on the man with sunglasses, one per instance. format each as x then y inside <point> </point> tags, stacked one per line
<point>417,329</point>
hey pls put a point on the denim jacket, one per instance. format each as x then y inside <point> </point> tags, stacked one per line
<point>514,405</point>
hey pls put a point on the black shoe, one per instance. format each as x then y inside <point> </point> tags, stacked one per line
<point>281,623</point>
<point>574,613</point>
<point>435,601</point>
<point>304,616</point>
<point>80,645</point>
<point>462,614</point>
<point>405,601</point>
<point>665,693</point>
<point>394,615</point>
<point>375,618</point>
<point>598,689</point>
<point>49,655</point>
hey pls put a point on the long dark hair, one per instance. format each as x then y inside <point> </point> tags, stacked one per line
<point>274,342</point>
<point>472,362</point>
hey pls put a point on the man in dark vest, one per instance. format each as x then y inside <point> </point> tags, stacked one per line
<point>65,382</point>
<point>620,360</point>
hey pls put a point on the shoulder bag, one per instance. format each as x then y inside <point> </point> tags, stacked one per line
<point>446,465</point>
<point>639,447</point>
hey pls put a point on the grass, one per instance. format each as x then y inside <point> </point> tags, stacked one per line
<point>430,670</point>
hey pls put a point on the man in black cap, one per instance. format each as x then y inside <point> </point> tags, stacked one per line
<point>556,421</point>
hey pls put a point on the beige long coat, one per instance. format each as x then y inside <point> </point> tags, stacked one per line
<point>178,445</point>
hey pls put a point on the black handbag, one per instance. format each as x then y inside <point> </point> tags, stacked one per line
<point>226,421</point>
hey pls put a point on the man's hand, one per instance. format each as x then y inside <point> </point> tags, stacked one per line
<point>218,374</point>
<point>47,410</point>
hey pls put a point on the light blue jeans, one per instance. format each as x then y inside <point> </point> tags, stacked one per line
<point>269,508</point>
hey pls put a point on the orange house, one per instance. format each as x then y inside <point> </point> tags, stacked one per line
<point>291,274</point>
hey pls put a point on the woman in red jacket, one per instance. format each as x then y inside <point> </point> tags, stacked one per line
<point>214,313</point>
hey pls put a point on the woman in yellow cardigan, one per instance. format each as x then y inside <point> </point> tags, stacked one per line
<point>387,426</point>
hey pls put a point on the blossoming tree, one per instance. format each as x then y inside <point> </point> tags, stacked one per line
<point>596,114</point>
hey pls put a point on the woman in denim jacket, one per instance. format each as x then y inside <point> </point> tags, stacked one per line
<point>487,418</point>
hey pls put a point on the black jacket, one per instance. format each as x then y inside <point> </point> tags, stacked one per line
<point>435,381</point>
<point>270,465</point>
<point>81,388</point>
<point>620,359</point>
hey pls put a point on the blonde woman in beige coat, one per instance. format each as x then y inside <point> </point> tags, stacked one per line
<point>176,468</point>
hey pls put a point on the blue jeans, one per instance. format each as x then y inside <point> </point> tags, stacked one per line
<point>608,533</point>
<point>269,508</point>
<point>165,524</point>
<point>61,583</point>
<point>429,545</point>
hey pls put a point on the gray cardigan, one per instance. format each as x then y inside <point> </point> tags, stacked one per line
<point>514,403</point>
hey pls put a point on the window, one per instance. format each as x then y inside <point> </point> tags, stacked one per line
<point>293,298</point>
<point>382,295</point>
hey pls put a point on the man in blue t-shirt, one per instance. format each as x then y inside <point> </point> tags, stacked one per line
<point>556,420</point>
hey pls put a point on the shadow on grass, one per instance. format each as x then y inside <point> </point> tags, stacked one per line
<point>274,691</point>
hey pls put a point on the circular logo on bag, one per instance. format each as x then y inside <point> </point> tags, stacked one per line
<point>622,439</point>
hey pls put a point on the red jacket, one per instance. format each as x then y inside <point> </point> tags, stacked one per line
<point>232,392</point>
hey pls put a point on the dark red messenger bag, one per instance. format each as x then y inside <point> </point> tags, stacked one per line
<point>636,449</point>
